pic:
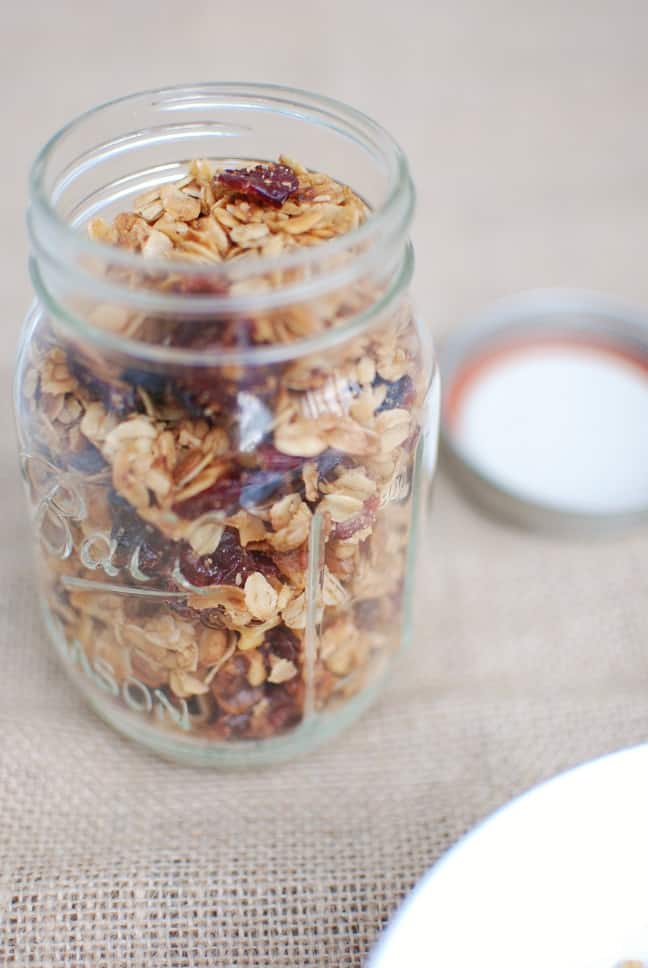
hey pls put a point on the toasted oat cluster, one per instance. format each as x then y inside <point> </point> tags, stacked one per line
<point>264,210</point>
<point>224,546</point>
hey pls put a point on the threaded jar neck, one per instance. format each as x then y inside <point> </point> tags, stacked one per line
<point>104,158</point>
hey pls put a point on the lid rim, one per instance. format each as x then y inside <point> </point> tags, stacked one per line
<point>553,313</point>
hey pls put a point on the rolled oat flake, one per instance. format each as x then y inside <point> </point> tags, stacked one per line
<point>545,411</point>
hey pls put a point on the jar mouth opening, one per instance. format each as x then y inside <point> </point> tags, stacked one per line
<point>158,354</point>
<point>390,219</point>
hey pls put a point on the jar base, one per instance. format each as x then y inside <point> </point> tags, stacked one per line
<point>317,729</point>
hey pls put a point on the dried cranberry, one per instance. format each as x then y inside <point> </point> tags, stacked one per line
<point>292,564</point>
<point>271,459</point>
<point>237,725</point>
<point>117,397</point>
<point>225,565</point>
<point>202,570</point>
<point>282,642</point>
<point>188,333</point>
<point>365,518</point>
<point>200,284</point>
<point>152,560</point>
<point>214,334</point>
<point>129,532</point>
<point>286,704</point>
<point>223,495</point>
<point>231,688</point>
<point>263,183</point>
<point>400,393</point>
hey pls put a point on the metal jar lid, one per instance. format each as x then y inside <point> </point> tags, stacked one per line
<point>545,411</point>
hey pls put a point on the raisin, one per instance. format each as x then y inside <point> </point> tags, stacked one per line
<point>400,393</point>
<point>365,518</point>
<point>263,183</point>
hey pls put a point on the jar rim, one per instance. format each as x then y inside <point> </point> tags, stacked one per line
<point>159,354</point>
<point>390,219</point>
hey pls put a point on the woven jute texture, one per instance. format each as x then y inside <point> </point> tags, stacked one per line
<point>531,653</point>
<point>530,656</point>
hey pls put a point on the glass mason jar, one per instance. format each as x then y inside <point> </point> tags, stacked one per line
<point>223,456</point>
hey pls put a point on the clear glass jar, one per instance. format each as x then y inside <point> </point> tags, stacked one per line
<point>223,457</point>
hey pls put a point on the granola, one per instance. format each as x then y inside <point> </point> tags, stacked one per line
<point>224,546</point>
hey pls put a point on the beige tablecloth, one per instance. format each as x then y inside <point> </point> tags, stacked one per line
<point>524,123</point>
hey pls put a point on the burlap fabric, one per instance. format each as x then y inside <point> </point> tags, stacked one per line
<point>530,657</point>
<point>530,654</point>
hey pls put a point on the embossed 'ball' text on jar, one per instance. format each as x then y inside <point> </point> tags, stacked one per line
<point>223,397</point>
